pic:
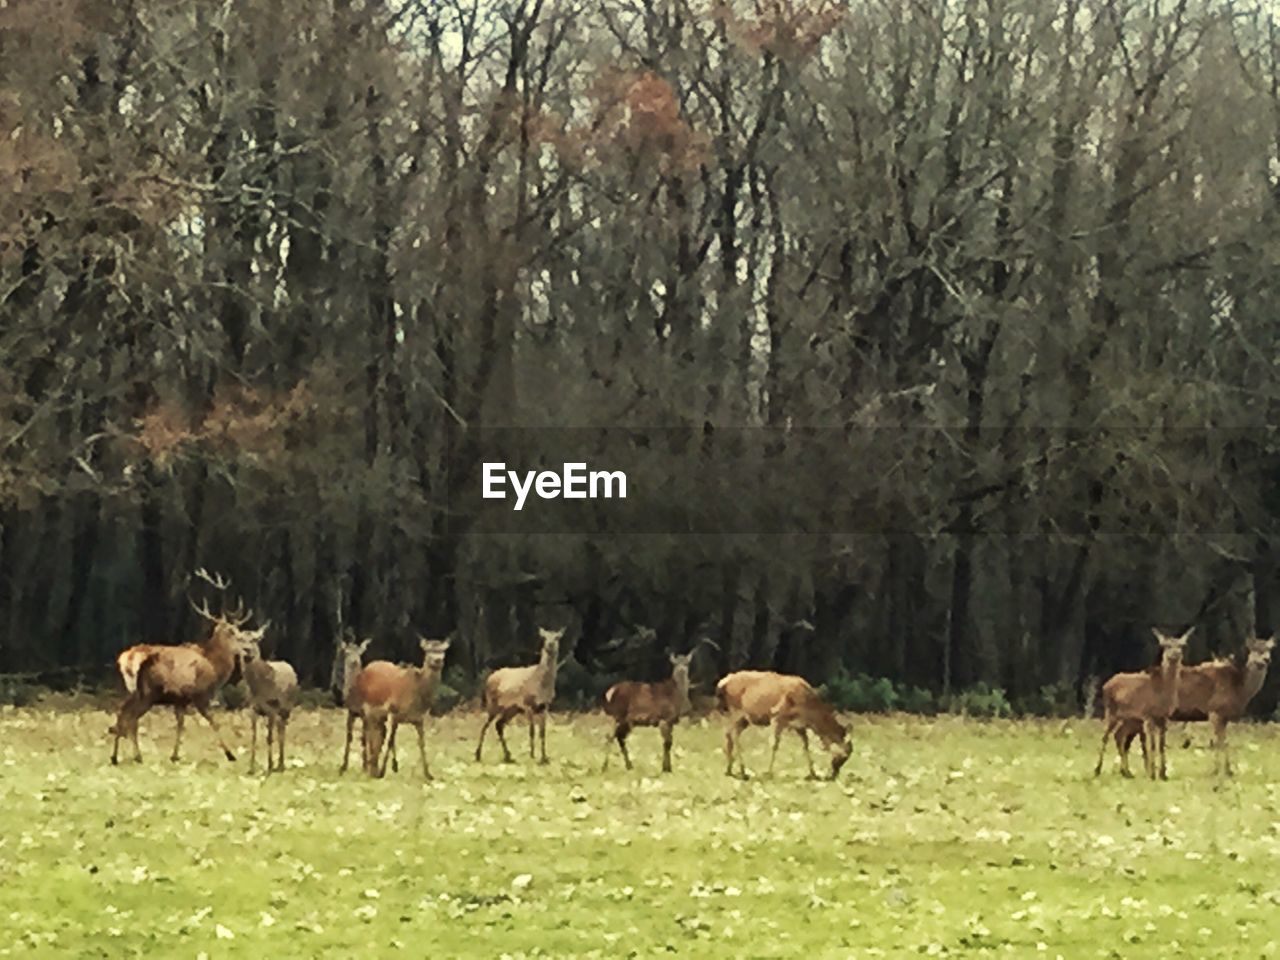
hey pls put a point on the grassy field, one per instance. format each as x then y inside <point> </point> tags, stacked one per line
<point>942,838</point>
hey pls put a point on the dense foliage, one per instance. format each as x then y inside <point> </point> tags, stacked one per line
<point>990,285</point>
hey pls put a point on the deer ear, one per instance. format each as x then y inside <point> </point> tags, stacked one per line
<point>1187,636</point>
<point>1158,635</point>
<point>364,644</point>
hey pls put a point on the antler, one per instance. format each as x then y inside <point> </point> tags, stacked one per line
<point>218,581</point>
<point>240,615</point>
<point>237,618</point>
<point>203,610</point>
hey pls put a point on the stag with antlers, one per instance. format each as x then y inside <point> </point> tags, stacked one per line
<point>188,677</point>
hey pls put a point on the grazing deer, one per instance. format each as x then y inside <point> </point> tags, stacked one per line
<point>632,704</point>
<point>273,693</point>
<point>189,676</point>
<point>1147,698</point>
<point>402,694</point>
<point>528,690</point>
<point>759,697</point>
<point>1217,691</point>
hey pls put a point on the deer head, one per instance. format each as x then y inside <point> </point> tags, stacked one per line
<point>680,667</point>
<point>550,644</point>
<point>433,652</point>
<point>348,658</point>
<point>1172,648</point>
<point>1259,652</point>
<point>840,751</point>
<point>245,641</point>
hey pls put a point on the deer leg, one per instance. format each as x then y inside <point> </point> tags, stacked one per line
<point>422,750</point>
<point>621,730</point>
<point>391,751</point>
<point>1112,724</point>
<point>778,727</point>
<point>1124,736</point>
<point>1151,731</point>
<point>733,746</point>
<point>127,725</point>
<point>271,743</point>
<point>1141,734</point>
<point>366,735</point>
<point>608,747</point>
<point>665,728</point>
<point>1164,731</point>
<point>1157,762</point>
<point>376,734</point>
<point>728,750</point>
<point>542,732</point>
<point>133,733</point>
<point>346,751</point>
<point>284,722</point>
<point>180,716</point>
<point>253,741</point>
<point>391,747</point>
<point>118,728</point>
<point>500,727</point>
<point>808,757</point>
<point>1146,760</point>
<point>1222,758</point>
<point>203,710</point>
<point>483,730</point>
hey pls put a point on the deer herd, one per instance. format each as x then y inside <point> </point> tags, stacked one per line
<point>384,696</point>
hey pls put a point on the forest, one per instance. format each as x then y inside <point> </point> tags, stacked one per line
<point>937,338</point>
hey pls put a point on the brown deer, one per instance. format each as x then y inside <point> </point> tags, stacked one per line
<point>1218,691</point>
<point>404,695</point>
<point>1147,698</point>
<point>759,697</point>
<point>130,661</point>
<point>528,690</point>
<point>273,693</point>
<point>347,665</point>
<point>632,704</point>
<point>189,676</point>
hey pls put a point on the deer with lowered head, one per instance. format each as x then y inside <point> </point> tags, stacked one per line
<point>273,693</point>
<point>511,691</point>
<point>632,704</point>
<point>402,695</point>
<point>188,676</point>
<point>1147,698</point>
<point>761,697</point>
<point>1217,691</point>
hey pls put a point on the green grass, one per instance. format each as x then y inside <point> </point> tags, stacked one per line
<point>943,838</point>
